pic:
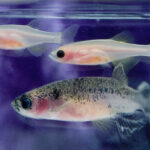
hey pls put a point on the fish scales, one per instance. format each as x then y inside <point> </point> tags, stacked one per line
<point>105,101</point>
<point>82,88</point>
<point>83,99</point>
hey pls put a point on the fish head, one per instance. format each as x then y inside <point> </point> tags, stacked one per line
<point>41,103</point>
<point>23,105</point>
<point>64,54</point>
<point>80,54</point>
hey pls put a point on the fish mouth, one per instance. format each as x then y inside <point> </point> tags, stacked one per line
<point>15,106</point>
<point>52,56</point>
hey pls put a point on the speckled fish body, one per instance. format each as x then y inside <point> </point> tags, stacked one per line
<point>81,99</point>
<point>94,52</point>
<point>84,99</point>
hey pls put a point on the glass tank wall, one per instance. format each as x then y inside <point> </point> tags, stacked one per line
<point>22,70</point>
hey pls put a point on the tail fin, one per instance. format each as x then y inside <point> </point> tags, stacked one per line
<point>144,89</point>
<point>69,34</point>
<point>46,26</point>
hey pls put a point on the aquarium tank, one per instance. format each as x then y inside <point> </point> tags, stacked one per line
<point>74,74</point>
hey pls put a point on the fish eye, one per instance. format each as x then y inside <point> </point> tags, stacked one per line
<point>26,103</point>
<point>60,53</point>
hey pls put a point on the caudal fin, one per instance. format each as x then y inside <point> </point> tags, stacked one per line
<point>144,89</point>
<point>69,34</point>
<point>61,37</point>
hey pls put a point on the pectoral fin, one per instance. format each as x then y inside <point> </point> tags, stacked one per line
<point>105,125</point>
<point>39,50</point>
<point>67,36</point>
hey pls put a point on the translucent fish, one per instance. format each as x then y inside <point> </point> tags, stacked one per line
<point>19,37</point>
<point>95,52</point>
<point>105,101</point>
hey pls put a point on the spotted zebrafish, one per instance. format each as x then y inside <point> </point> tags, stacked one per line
<point>98,99</point>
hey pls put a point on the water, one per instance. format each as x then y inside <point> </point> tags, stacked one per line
<point>23,72</point>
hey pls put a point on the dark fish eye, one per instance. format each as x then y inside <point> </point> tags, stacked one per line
<point>26,103</point>
<point>60,53</point>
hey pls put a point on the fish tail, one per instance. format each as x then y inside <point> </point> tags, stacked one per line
<point>69,34</point>
<point>64,37</point>
<point>144,89</point>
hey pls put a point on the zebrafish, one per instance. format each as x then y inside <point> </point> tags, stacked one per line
<point>101,100</point>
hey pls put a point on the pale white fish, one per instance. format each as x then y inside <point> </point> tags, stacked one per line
<point>18,37</point>
<point>95,52</point>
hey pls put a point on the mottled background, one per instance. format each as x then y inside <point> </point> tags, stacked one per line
<point>20,72</point>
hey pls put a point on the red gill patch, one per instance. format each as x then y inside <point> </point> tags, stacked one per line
<point>42,105</point>
<point>46,104</point>
<point>68,56</point>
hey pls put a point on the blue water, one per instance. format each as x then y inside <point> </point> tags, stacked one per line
<point>21,72</point>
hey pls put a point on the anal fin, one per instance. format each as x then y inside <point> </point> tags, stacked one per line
<point>128,63</point>
<point>39,50</point>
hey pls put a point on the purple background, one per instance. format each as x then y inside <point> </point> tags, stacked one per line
<point>21,72</point>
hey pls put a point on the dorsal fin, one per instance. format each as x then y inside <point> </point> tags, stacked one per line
<point>124,36</point>
<point>41,24</point>
<point>119,74</point>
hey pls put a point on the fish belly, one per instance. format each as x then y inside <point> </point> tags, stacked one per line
<point>85,111</point>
